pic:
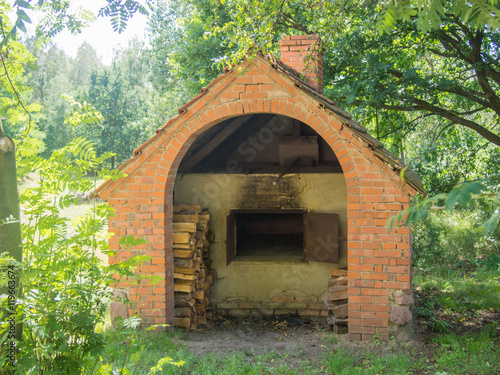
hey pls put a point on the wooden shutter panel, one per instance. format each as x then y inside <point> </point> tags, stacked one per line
<point>322,238</point>
<point>230,238</point>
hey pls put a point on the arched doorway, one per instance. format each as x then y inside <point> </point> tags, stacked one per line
<point>277,198</point>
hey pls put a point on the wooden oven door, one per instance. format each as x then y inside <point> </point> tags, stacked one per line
<point>321,240</point>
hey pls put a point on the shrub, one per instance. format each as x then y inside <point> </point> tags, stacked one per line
<point>444,239</point>
<point>66,285</point>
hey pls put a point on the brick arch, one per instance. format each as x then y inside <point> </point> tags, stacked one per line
<point>178,143</point>
<point>188,131</point>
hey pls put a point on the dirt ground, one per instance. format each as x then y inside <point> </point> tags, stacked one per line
<point>258,336</point>
<point>296,339</point>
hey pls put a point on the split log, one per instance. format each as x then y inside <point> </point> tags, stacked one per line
<point>182,276</point>
<point>184,246</point>
<point>186,271</point>
<point>339,292</point>
<point>338,272</point>
<point>192,268</point>
<point>183,312</point>
<point>184,227</point>
<point>185,286</point>
<point>185,218</point>
<point>199,295</point>
<point>336,301</point>
<point>182,301</point>
<point>180,208</point>
<point>182,238</point>
<point>340,311</point>
<point>337,281</point>
<point>182,322</point>
<point>184,263</point>
<point>188,254</point>
<point>194,322</point>
<point>204,216</point>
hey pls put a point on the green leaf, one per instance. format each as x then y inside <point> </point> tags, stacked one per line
<point>20,25</point>
<point>491,225</point>
<point>462,194</point>
<point>22,14</point>
<point>23,4</point>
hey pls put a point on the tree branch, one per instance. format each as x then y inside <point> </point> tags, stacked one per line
<point>19,102</point>
<point>485,133</point>
<point>469,94</point>
<point>442,54</point>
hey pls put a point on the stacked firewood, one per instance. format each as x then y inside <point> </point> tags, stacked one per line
<point>193,275</point>
<point>336,300</point>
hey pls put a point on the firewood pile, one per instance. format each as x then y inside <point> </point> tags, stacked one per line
<point>193,275</point>
<point>336,300</point>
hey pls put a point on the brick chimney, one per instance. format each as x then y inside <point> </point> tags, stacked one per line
<point>302,53</point>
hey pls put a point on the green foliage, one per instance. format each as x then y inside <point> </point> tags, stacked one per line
<point>481,13</point>
<point>185,53</point>
<point>84,114</point>
<point>460,195</point>
<point>443,239</point>
<point>77,88</point>
<point>348,362</point>
<point>470,354</point>
<point>120,12</point>
<point>133,355</point>
<point>66,285</point>
<point>444,158</point>
<point>116,131</point>
<point>59,15</point>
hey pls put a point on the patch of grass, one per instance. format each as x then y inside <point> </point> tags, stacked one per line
<point>236,363</point>
<point>467,354</point>
<point>152,346</point>
<point>345,361</point>
<point>455,300</point>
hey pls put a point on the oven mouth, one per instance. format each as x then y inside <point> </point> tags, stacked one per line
<point>269,235</point>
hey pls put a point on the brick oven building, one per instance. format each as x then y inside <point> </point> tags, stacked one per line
<point>295,188</point>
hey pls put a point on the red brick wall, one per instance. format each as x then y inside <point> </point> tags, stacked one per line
<point>302,52</point>
<point>377,260</point>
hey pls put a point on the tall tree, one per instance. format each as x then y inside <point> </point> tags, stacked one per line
<point>83,64</point>
<point>51,80</point>
<point>185,55</point>
<point>123,109</point>
<point>449,68</point>
<point>10,227</point>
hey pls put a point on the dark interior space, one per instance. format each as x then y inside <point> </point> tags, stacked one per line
<point>260,143</point>
<point>266,235</point>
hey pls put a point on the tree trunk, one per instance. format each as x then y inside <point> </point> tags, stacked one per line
<point>10,232</point>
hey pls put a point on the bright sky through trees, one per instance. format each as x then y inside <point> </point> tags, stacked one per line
<point>99,34</point>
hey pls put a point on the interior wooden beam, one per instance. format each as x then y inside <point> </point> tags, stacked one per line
<point>210,146</point>
<point>241,136</point>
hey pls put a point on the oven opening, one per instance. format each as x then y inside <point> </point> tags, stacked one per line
<point>269,235</point>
